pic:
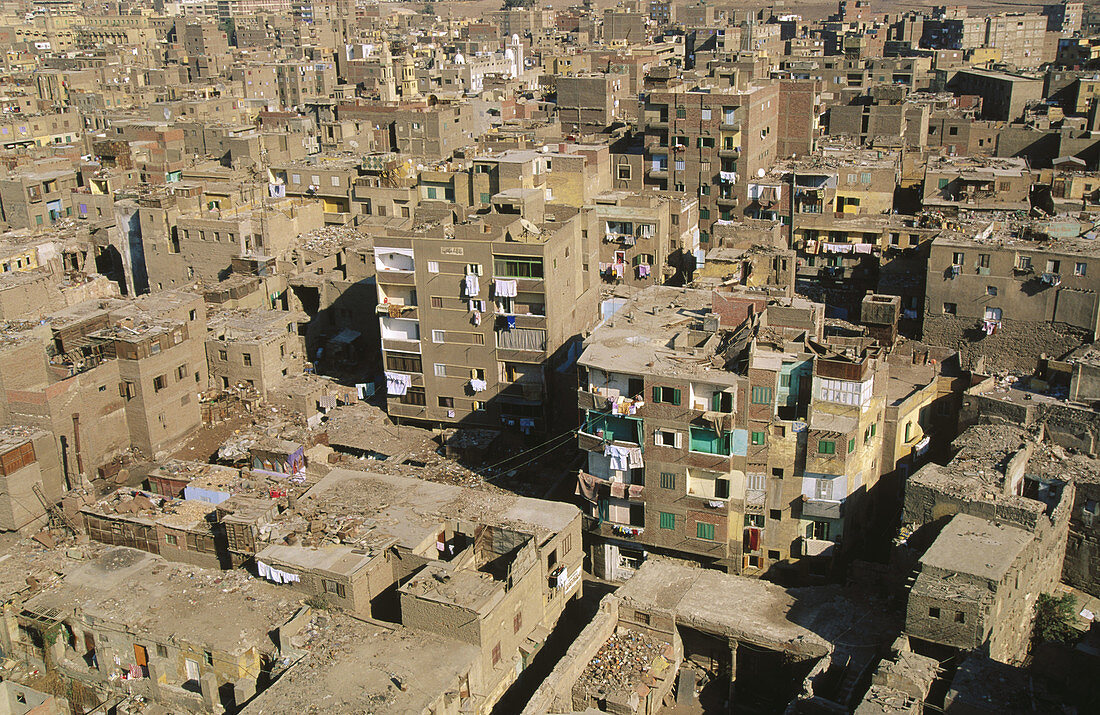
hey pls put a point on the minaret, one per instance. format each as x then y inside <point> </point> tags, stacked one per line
<point>409,86</point>
<point>387,89</point>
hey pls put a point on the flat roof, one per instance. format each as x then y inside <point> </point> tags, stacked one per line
<point>971,545</point>
<point>229,611</point>
<point>355,666</point>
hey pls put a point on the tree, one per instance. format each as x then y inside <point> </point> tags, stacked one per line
<point>1054,617</point>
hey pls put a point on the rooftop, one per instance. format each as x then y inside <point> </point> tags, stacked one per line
<point>976,546</point>
<point>228,611</point>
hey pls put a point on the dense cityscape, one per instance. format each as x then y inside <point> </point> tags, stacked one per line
<point>630,356</point>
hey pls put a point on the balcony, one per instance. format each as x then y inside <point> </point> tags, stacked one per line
<point>405,346</point>
<point>658,172</point>
<point>754,501</point>
<point>822,509</point>
<point>727,200</point>
<point>397,409</point>
<point>400,278</point>
<point>729,153</point>
<point>408,312</point>
<point>335,218</point>
<point>817,547</point>
<point>730,124</point>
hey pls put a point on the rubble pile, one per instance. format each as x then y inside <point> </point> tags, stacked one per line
<point>328,240</point>
<point>622,663</point>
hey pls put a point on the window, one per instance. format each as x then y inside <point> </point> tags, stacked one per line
<point>960,617</point>
<point>668,521</point>
<point>447,402</point>
<point>247,358</point>
<point>680,165</point>
<point>983,260</point>
<point>517,623</point>
<point>414,396</point>
<point>440,370</point>
<point>668,395</point>
<point>438,336</point>
<point>160,382</point>
<point>933,612</point>
<point>433,266</point>
<point>1053,266</point>
<point>223,356</point>
<point>1079,269</point>
<point>943,183</point>
<point>624,172</point>
<point>704,531</point>
<point>991,290</point>
<point>681,113</point>
<point>705,115</point>
<point>851,445</point>
<point>704,213</point>
<point>171,539</point>
<point>208,658</point>
<point>403,362</point>
<point>666,438</point>
<point>518,267</point>
<point>721,489</point>
<point>761,395</point>
<point>826,447</point>
<point>708,441</point>
<point>181,372</point>
<point>773,555</point>
<point>957,259</point>
<point>668,480</point>
<point>436,301</point>
<point>950,308</point>
<point>758,438</point>
<point>333,587</point>
<point>162,652</point>
<point>1024,263</point>
<point>496,654</point>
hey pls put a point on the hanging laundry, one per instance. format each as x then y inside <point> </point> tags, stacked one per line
<point>478,385</point>
<point>394,310</point>
<point>618,490</point>
<point>526,424</point>
<point>472,286</point>
<point>620,457</point>
<point>476,319</point>
<point>327,402</point>
<point>634,490</point>
<point>634,457</point>
<point>397,383</point>
<point>504,288</point>
<point>510,321</point>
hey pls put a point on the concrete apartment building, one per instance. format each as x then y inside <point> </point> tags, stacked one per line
<point>30,477</point>
<point>1003,295</point>
<point>159,343</point>
<point>699,141</point>
<point>592,101</point>
<point>39,197</point>
<point>493,304</point>
<point>417,130</point>
<point>977,183</point>
<point>1005,95</point>
<point>1006,530</point>
<point>644,239</point>
<point>254,349</point>
<point>746,443</point>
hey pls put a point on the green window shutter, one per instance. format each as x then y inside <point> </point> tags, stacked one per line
<point>872,429</point>
<point>851,446</point>
<point>676,397</point>
<point>656,394</point>
<point>704,531</point>
<point>668,521</point>
<point>716,402</point>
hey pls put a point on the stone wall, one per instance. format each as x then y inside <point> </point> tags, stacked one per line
<point>1015,346</point>
<point>556,692</point>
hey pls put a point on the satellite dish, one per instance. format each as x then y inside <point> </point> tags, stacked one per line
<point>353,144</point>
<point>760,172</point>
<point>530,227</point>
